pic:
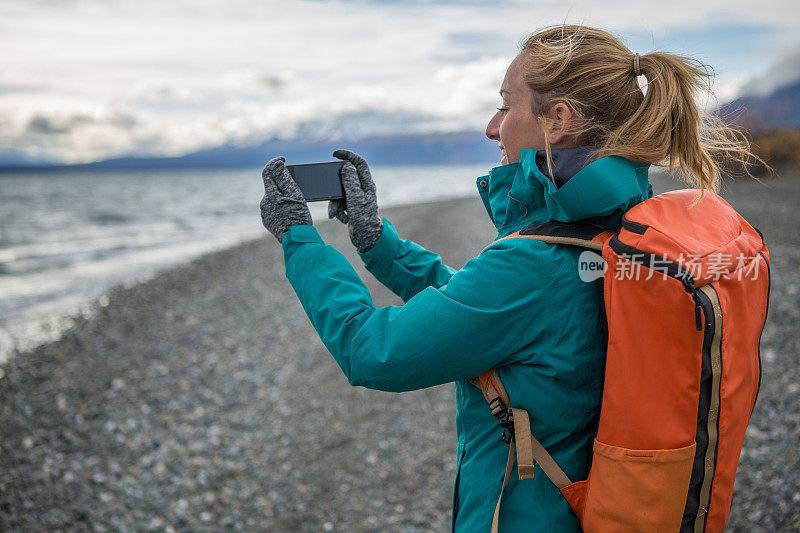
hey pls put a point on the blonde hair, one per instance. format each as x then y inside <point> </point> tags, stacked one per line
<point>592,72</point>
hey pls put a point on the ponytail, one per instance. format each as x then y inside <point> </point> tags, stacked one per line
<point>594,74</point>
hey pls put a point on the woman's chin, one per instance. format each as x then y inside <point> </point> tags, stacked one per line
<point>504,160</point>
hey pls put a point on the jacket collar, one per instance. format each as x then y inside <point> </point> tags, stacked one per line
<point>518,194</point>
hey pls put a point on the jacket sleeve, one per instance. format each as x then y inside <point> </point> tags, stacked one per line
<point>491,313</point>
<point>404,267</point>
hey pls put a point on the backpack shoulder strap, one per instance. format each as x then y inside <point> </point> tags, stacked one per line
<point>528,449</point>
<point>516,422</point>
<point>580,234</point>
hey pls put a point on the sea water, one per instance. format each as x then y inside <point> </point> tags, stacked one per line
<point>67,237</point>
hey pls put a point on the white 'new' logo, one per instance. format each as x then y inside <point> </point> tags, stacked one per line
<point>591,266</point>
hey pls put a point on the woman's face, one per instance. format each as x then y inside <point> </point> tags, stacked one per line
<point>514,126</point>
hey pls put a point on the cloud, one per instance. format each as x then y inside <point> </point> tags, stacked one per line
<point>70,133</point>
<point>92,79</point>
<point>56,125</point>
<point>41,125</point>
<point>785,72</point>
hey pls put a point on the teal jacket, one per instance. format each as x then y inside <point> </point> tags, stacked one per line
<point>519,306</point>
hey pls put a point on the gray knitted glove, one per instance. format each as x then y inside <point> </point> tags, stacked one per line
<point>283,205</point>
<point>359,209</point>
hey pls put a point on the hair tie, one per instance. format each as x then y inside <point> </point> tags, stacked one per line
<point>636,69</point>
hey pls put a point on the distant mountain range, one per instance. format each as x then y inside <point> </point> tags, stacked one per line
<point>435,148</point>
<point>777,110</point>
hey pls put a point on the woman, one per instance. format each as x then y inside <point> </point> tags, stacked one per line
<point>577,138</point>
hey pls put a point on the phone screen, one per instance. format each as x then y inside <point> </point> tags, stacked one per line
<point>319,181</point>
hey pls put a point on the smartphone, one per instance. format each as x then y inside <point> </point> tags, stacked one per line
<point>319,181</point>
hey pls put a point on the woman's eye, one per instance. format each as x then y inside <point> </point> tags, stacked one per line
<point>502,109</point>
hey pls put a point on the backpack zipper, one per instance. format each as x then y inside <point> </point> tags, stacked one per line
<point>712,342</point>
<point>766,313</point>
<point>693,498</point>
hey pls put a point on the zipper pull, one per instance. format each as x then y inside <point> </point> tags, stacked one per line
<point>688,285</point>
<point>697,314</point>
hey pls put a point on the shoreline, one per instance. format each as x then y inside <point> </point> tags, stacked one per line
<point>50,326</point>
<point>165,392</point>
<point>202,399</point>
<point>44,327</point>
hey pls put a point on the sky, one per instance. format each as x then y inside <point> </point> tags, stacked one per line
<point>84,80</point>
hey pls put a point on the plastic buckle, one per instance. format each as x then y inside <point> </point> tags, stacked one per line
<point>508,431</point>
<point>499,409</point>
<point>501,412</point>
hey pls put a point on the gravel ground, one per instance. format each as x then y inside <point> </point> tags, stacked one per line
<point>203,400</point>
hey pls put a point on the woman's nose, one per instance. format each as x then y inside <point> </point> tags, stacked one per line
<point>493,128</point>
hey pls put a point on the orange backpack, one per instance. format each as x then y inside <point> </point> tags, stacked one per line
<point>685,289</point>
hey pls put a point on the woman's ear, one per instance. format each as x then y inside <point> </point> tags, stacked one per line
<point>560,119</point>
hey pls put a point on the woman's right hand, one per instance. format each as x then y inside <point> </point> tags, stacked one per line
<point>359,209</point>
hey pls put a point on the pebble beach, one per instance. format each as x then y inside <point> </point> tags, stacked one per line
<point>203,400</point>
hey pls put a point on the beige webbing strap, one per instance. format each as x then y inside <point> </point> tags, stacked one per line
<point>582,243</point>
<point>523,438</point>
<point>549,465</point>
<point>509,468</point>
<point>528,450</point>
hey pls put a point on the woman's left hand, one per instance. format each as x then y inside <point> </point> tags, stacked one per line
<point>359,208</point>
<point>283,205</point>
